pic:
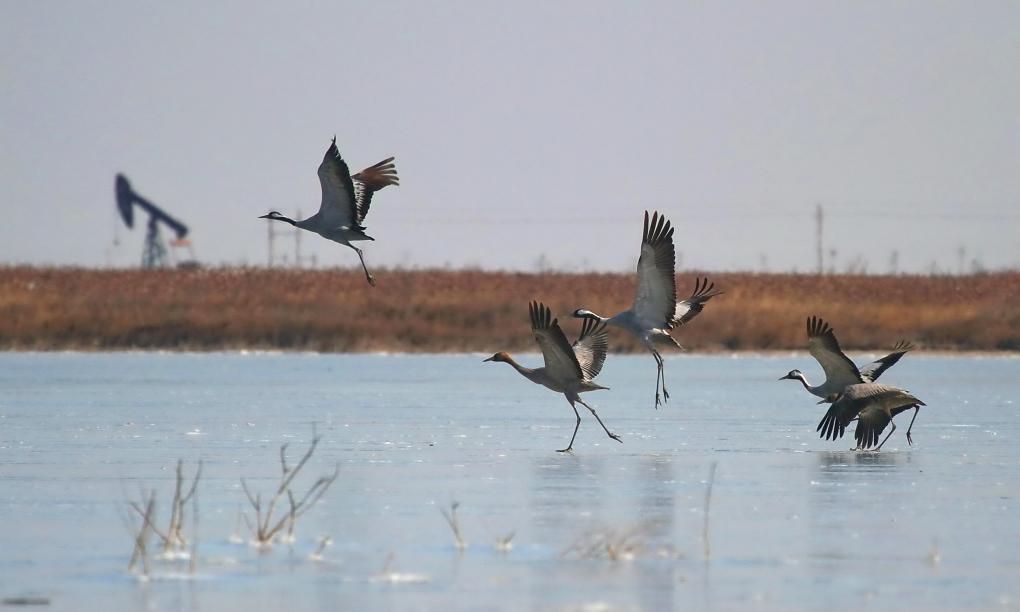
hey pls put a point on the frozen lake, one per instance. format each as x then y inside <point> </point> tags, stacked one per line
<point>795,522</point>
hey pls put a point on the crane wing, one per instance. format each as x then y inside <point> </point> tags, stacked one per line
<point>873,404</point>
<point>655,303</point>
<point>837,417</point>
<point>560,361</point>
<point>824,347</point>
<point>591,347</point>
<point>878,404</point>
<point>693,305</point>
<point>338,208</point>
<point>370,180</point>
<point>873,370</point>
<point>871,422</point>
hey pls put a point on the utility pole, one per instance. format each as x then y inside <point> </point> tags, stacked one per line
<point>269,239</point>
<point>274,231</point>
<point>297,243</point>
<point>819,217</point>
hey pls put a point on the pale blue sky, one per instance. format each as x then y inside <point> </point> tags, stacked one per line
<point>520,128</point>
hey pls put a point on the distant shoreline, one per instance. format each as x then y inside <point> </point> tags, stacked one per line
<point>917,354</point>
<point>470,311</point>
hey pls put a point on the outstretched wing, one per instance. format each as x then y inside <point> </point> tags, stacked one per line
<point>837,417</point>
<point>873,370</point>
<point>693,305</point>
<point>560,361</point>
<point>591,347</point>
<point>655,303</point>
<point>824,347</point>
<point>338,208</point>
<point>370,180</point>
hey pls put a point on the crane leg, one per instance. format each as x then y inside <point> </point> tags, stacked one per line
<point>576,426</point>
<point>662,375</point>
<point>659,376</point>
<point>893,423</point>
<point>910,440</point>
<point>595,414</point>
<point>361,256</point>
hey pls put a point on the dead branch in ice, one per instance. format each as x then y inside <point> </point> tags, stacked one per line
<point>267,525</point>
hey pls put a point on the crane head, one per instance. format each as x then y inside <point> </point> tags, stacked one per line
<point>581,313</point>
<point>793,375</point>
<point>500,356</point>
<point>278,217</point>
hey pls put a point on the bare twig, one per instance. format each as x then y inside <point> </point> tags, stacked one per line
<point>506,542</point>
<point>140,553</point>
<point>266,527</point>
<point>174,542</point>
<point>708,503</point>
<point>175,539</point>
<point>324,541</point>
<point>193,558</point>
<point>143,512</point>
<point>454,523</point>
<point>610,544</point>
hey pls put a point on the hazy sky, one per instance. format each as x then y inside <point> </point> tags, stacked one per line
<point>520,129</point>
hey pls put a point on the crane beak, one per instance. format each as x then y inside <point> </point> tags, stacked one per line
<point>784,377</point>
<point>264,217</point>
<point>489,359</point>
<point>823,401</point>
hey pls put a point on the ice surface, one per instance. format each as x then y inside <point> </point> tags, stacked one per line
<point>795,521</point>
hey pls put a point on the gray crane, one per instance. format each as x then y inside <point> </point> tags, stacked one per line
<point>873,405</point>
<point>656,310</point>
<point>569,370</point>
<point>840,371</point>
<point>345,201</point>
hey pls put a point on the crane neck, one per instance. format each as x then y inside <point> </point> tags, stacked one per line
<point>803,381</point>
<point>287,219</point>
<point>523,370</point>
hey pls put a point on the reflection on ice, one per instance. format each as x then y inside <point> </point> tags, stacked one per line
<point>827,460</point>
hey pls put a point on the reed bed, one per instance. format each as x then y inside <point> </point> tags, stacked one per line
<point>471,310</point>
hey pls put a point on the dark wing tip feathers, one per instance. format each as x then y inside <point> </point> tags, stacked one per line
<point>830,425</point>
<point>590,327</point>
<point>541,316</point>
<point>332,150</point>
<point>703,290</point>
<point>816,327</point>
<point>903,346</point>
<point>657,230</point>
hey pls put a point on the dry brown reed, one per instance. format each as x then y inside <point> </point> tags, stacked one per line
<point>470,310</point>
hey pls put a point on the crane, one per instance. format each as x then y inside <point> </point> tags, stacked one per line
<point>345,201</point>
<point>840,371</point>
<point>873,405</point>
<point>569,369</point>
<point>656,310</point>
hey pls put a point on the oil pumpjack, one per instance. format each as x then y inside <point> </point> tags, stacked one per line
<point>154,253</point>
